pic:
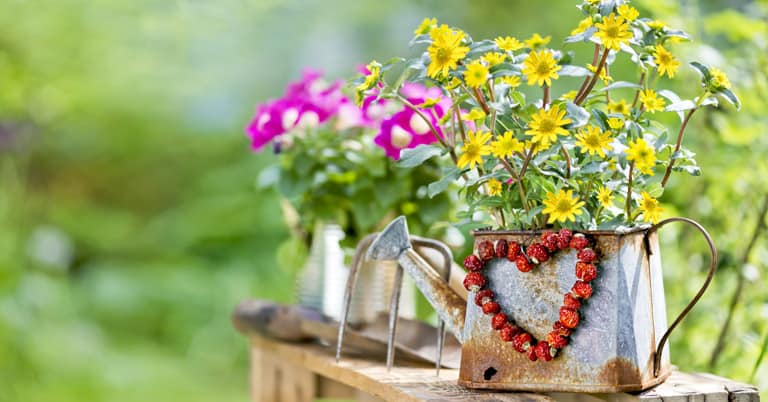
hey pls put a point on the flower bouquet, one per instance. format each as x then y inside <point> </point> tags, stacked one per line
<point>337,181</point>
<point>566,294</point>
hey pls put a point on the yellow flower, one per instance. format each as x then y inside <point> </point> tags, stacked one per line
<point>605,197</point>
<point>665,61</point>
<point>546,125</point>
<point>650,208</point>
<point>570,95</point>
<point>628,12</point>
<point>508,43</point>
<point>445,51</point>
<point>374,69</point>
<point>592,140</point>
<point>536,40</point>
<point>621,107</point>
<point>603,73</point>
<point>426,25</point>
<point>535,146</point>
<point>656,24</point>
<point>615,123</point>
<point>562,206</point>
<point>541,68</point>
<point>494,187</point>
<point>474,149</point>
<point>453,84</point>
<point>476,74</point>
<point>642,155</point>
<point>651,101</point>
<point>613,31</point>
<point>474,114</point>
<point>718,80</point>
<point>494,58</point>
<point>583,25</point>
<point>512,80</point>
<point>506,146</point>
<point>430,102</point>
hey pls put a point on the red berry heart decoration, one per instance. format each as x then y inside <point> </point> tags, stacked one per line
<point>526,258</point>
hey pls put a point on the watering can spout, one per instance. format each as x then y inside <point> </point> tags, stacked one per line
<point>394,243</point>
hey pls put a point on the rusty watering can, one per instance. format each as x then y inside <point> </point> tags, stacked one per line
<point>619,345</point>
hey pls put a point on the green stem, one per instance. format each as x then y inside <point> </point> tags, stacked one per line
<point>679,142</point>
<point>580,98</point>
<point>629,193</point>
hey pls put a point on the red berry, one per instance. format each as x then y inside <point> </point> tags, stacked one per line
<point>483,296</point>
<point>523,265</point>
<point>582,289</point>
<point>549,240</point>
<point>532,353</point>
<point>502,248</point>
<point>499,321</point>
<point>522,341</point>
<point>578,241</point>
<point>508,332</point>
<point>473,281</point>
<point>561,329</point>
<point>566,235</point>
<point>537,253</point>
<point>586,272</point>
<point>556,341</point>
<point>514,250</point>
<point>542,351</point>
<point>472,263</point>
<point>587,255</point>
<point>571,302</point>
<point>491,307</point>
<point>569,317</point>
<point>485,250</point>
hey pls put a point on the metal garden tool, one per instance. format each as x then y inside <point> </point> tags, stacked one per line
<point>444,276</point>
<point>617,347</point>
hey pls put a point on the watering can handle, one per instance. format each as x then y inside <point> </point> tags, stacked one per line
<point>689,307</point>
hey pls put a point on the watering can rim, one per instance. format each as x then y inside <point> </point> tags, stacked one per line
<point>618,231</point>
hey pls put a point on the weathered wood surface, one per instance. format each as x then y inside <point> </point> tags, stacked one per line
<point>408,382</point>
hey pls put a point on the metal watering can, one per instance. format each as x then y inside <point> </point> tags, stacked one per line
<point>619,345</point>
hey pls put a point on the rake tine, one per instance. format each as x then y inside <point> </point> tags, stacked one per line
<point>446,274</point>
<point>354,270</point>
<point>394,307</point>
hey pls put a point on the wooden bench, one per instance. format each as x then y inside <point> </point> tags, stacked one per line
<point>300,372</point>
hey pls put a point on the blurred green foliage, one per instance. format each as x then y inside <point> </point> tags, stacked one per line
<point>130,224</point>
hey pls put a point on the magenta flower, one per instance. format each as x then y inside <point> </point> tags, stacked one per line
<point>406,129</point>
<point>306,103</point>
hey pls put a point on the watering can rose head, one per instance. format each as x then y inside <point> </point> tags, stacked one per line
<point>588,156</point>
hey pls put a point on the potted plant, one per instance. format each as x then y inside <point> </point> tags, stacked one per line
<point>336,174</point>
<point>566,290</point>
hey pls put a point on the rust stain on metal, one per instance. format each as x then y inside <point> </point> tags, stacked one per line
<point>620,371</point>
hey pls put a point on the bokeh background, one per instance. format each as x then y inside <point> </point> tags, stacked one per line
<point>130,223</point>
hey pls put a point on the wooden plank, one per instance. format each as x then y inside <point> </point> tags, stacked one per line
<point>411,382</point>
<point>275,379</point>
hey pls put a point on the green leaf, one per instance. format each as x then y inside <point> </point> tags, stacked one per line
<point>574,71</point>
<point>268,177</point>
<point>621,84</point>
<point>655,190</point>
<point>441,185</point>
<point>411,157</point>
<point>731,97</point>
<point>693,170</point>
<point>680,106</point>
<point>702,69</point>
<point>578,115</point>
<point>421,39</point>
<point>582,37</point>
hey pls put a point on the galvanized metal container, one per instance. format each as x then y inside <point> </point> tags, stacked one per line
<point>618,340</point>
<point>322,280</point>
